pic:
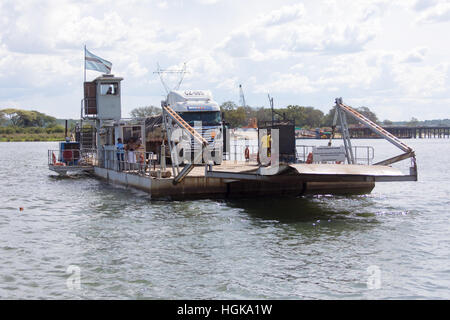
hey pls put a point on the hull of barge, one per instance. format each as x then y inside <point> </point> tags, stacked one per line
<point>200,187</point>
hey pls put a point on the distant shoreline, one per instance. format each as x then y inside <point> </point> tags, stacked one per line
<point>31,137</point>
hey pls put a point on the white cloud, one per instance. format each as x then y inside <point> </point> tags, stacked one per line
<point>306,53</point>
<point>208,1</point>
<point>286,83</point>
<point>350,38</point>
<point>283,15</point>
<point>417,55</point>
<point>163,4</point>
<point>288,30</point>
<point>437,13</point>
<point>424,4</point>
<point>421,81</point>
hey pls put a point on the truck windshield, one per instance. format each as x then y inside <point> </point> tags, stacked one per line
<point>208,118</point>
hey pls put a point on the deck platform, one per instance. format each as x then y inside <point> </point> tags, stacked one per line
<point>311,172</point>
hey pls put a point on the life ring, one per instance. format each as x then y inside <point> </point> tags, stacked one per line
<point>310,158</point>
<point>56,163</point>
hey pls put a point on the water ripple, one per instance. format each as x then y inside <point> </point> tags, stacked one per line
<point>129,247</point>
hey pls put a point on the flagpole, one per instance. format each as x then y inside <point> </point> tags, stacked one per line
<point>84,63</point>
<point>83,100</point>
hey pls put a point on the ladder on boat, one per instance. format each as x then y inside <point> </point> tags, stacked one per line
<point>169,115</point>
<point>87,135</point>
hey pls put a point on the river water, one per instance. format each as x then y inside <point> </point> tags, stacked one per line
<point>391,244</point>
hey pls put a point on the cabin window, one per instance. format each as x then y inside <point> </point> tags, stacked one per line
<point>109,89</point>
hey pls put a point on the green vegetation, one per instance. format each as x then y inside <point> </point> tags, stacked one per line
<point>25,118</point>
<point>144,112</point>
<point>365,111</point>
<point>306,117</point>
<point>24,125</point>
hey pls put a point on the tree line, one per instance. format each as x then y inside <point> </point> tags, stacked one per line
<point>14,121</point>
<point>25,118</point>
<point>236,116</point>
<point>306,117</point>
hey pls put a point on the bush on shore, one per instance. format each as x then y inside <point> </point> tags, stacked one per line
<point>31,130</point>
<point>4,137</point>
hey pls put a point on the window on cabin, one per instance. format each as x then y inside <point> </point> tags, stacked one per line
<point>109,89</point>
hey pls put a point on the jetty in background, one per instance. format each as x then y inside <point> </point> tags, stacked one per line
<point>402,132</point>
<point>363,132</point>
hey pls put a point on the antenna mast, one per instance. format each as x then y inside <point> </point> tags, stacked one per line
<point>180,72</point>
<point>271,106</point>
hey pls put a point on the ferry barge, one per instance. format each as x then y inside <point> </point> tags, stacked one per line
<point>184,153</point>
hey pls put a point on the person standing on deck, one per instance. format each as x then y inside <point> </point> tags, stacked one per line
<point>120,153</point>
<point>265,147</point>
<point>131,158</point>
<point>140,154</point>
<point>247,154</point>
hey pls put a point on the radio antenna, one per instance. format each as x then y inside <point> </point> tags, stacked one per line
<point>161,72</point>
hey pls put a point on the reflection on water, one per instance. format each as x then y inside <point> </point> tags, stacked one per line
<point>288,209</point>
<point>128,246</point>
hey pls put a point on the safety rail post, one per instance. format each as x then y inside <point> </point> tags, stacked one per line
<point>305,149</point>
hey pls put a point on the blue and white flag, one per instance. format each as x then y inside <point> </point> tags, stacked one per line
<point>92,62</point>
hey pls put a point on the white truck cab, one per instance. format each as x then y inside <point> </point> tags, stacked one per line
<point>198,108</point>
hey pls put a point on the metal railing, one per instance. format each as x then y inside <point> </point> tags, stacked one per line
<point>367,153</point>
<point>237,153</point>
<point>73,158</point>
<point>139,162</point>
<point>134,162</point>
<point>88,107</point>
<point>236,150</point>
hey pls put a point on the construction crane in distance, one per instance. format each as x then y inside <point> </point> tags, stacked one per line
<point>251,122</point>
<point>241,96</point>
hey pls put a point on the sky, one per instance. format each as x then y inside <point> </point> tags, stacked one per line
<point>390,56</point>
